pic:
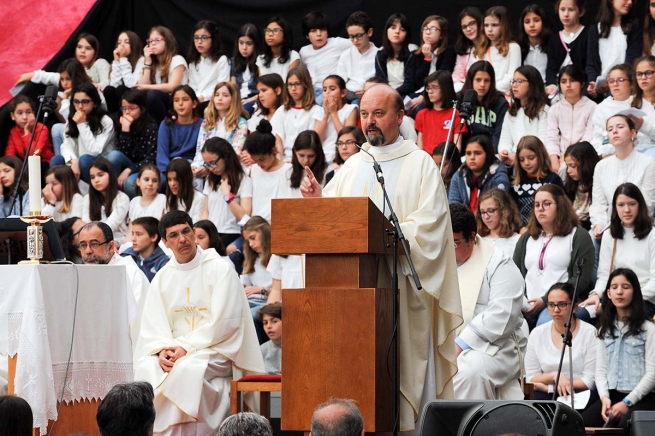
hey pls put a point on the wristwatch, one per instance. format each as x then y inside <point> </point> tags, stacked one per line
<point>628,403</point>
<point>228,198</point>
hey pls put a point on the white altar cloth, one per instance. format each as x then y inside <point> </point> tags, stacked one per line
<point>37,306</point>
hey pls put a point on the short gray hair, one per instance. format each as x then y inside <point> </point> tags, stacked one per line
<point>348,422</point>
<point>245,424</point>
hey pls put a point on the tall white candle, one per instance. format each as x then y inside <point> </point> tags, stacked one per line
<point>34,169</point>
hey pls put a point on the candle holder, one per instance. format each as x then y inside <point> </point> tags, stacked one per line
<point>34,237</point>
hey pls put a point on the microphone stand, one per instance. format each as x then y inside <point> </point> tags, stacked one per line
<point>567,337</point>
<point>27,154</point>
<point>397,235</point>
<point>450,133</point>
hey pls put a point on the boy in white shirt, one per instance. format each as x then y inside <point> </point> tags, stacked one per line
<point>358,63</point>
<point>321,57</point>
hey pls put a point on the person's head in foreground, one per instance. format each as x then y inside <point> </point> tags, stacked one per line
<point>245,423</point>
<point>128,409</point>
<point>15,416</point>
<point>337,417</point>
<point>96,243</point>
<point>464,230</point>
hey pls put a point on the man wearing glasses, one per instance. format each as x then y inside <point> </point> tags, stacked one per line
<point>196,334</point>
<point>97,247</point>
<point>490,340</point>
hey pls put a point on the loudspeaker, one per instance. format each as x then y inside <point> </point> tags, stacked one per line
<point>498,417</point>
<point>642,423</point>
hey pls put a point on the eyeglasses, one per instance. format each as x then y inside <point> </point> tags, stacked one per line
<point>620,81</point>
<point>519,81</point>
<point>561,305</point>
<point>647,74</point>
<point>545,205</point>
<point>431,30</point>
<point>470,25</point>
<point>432,88</point>
<point>175,235</point>
<point>82,103</point>
<point>129,108</point>
<point>276,31</point>
<point>488,212</point>
<point>155,40</point>
<point>93,244</point>
<point>213,164</point>
<point>294,85</point>
<point>348,142</point>
<point>202,38</point>
<point>356,37</point>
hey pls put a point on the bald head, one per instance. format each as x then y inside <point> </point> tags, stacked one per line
<point>382,112</point>
<point>337,417</point>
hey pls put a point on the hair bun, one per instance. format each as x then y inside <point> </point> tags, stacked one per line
<point>264,126</point>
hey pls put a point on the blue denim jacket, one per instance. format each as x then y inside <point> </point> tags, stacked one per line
<point>252,83</point>
<point>626,360</point>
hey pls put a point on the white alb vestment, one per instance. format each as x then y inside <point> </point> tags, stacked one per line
<point>429,317</point>
<point>491,288</point>
<point>201,307</point>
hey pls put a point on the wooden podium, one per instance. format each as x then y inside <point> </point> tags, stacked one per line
<point>337,330</point>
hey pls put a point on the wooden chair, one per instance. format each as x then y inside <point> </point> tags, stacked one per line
<point>528,391</point>
<point>264,384</point>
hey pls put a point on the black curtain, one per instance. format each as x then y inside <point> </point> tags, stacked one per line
<point>107,18</point>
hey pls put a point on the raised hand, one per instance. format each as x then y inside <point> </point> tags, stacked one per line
<point>310,186</point>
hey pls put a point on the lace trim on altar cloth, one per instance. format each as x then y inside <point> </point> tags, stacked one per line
<point>90,380</point>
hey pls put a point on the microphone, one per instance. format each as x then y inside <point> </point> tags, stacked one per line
<point>376,166</point>
<point>50,99</point>
<point>467,106</point>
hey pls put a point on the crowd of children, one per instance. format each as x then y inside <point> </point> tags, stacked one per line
<point>557,158</point>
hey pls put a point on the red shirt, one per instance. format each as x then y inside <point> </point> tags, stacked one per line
<point>18,142</point>
<point>434,125</point>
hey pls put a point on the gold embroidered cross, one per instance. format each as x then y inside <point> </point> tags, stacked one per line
<point>193,310</point>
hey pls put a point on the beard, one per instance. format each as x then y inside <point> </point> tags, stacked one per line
<point>94,259</point>
<point>375,137</point>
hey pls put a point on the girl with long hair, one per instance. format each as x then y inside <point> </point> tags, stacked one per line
<point>10,166</point>
<point>491,107</point>
<point>279,56</point>
<point>395,63</point>
<point>534,33</point>
<point>581,160</point>
<point>480,172</point>
<point>307,152</point>
<point>498,220</point>
<point>180,193</point>
<point>528,114</point>
<point>503,54</point>
<point>548,251</point>
<point>531,171</point>
<point>270,96</point>
<point>61,194</point>
<point>470,45</point>
<point>105,202</point>
<point>89,132</point>
<point>228,191</point>
<point>207,63</point>
<point>630,242</point>
<point>137,140</point>
<point>163,70</point>
<point>243,70</point>
<point>256,279</point>
<point>625,365</point>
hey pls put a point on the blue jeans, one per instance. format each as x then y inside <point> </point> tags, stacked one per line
<point>120,163</point>
<point>85,162</point>
<point>58,137</point>
<point>318,93</point>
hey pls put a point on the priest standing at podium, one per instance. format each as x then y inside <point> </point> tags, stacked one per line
<point>429,317</point>
<point>196,334</point>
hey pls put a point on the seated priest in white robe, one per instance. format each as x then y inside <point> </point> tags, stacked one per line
<point>196,335</point>
<point>430,316</point>
<point>97,247</point>
<point>490,343</point>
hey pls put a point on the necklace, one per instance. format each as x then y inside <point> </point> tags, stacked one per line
<point>572,34</point>
<point>574,324</point>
